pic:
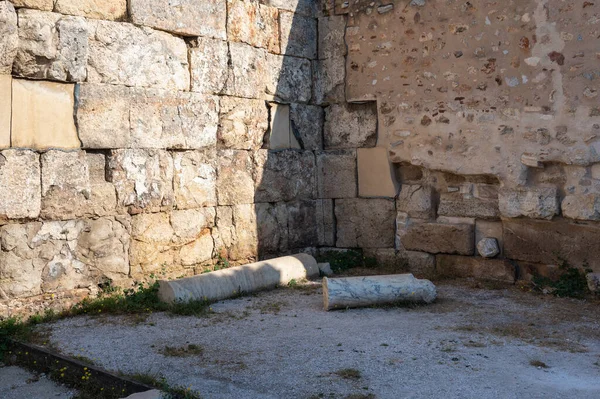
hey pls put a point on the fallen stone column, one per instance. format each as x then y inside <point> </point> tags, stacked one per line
<point>239,280</point>
<point>353,292</point>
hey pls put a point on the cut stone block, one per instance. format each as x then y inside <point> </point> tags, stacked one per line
<point>460,205</point>
<point>65,182</point>
<point>9,37</point>
<point>272,227</point>
<point>365,223</point>
<point>98,9</point>
<point>143,179</point>
<point>254,24</point>
<point>329,80</point>
<point>284,175</point>
<point>303,224</point>
<point>437,238</point>
<point>350,126</point>
<point>325,222</point>
<point>289,78</point>
<point>5,110</point>
<point>44,5</point>
<point>535,203</point>
<point>52,46</point>
<point>331,37</point>
<point>188,17</point>
<point>336,174</point>
<point>42,115</point>
<point>247,74</point>
<point>298,35</point>
<point>417,201</point>
<point>243,123</point>
<point>236,232</point>
<point>235,183</point>
<point>552,242</point>
<point>121,53</point>
<point>20,197</point>
<point>195,179</point>
<point>489,229</point>
<point>209,65</point>
<point>479,268</point>
<point>280,132</point>
<point>582,207</point>
<point>307,125</point>
<point>302,7</point>
<point>375,173</point>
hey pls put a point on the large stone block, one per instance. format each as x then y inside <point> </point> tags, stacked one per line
<point>209,65</point>
<point>552,242</point>
<point>536,203</point>
<point>350,126</point>
<point>417,201</point>
<point>97,9</point>
<point>298,35</point>
<point>188,17</point>
<point>325,222</point>
<point>272,228</point>
<point>436,238</point>
<point>243,123</point>
<point>20,197</point>
<point>280,133</point>
<point>52,46</point>
<point>329,77</point>
<point>302,7</point>
<point>289,78</point>
<point>479,268</point>
<point>376,175</point>
<point>460,205</point>
<point>582,207</point>
<point>235,182</point>
<point>236,234</point>
<point>195,179</point>
<point>254,24</point>
<point>365,223</point>
<point>42,115</point>
<point>124,54</point>
<point>307,125</point>
<point>5,110</point>
<point>9,37</point>
<point>247,74</point>
<point>44,5</point>
<point>336,174</point>
<point>143,179</point>
<point>171,242</point>
<point>60,256</point>
<point>284,175</point>
<point>331,37</point>
<point>489,229</point>
<point>306,224</point>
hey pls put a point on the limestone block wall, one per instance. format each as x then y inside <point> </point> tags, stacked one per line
<point>147,138</point>
<point>487,126</point>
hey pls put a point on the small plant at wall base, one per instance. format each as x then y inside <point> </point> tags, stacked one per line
<point>572,282</point>
<point>341,261</point>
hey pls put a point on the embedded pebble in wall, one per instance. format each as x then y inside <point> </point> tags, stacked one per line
<point>488,247</point>
<point>385,8</point>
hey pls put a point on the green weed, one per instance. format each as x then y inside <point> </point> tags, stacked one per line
<point>341,261</point>
<point>572,282</point>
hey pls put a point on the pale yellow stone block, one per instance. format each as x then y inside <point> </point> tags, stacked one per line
<point>5,110</point>
<point>42,115</point>
<point>279,138</point>
<point>375,173</point>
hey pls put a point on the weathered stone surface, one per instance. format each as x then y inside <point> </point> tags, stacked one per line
<point>303,7</point>
<point>280,134</point>
<point>303,223</point>
<point>143,179</point>
<point>236,234</point>
<point>582,207</point>
<point>289,78</point>
<point>195,179</point>
<point>247,74</point>
<point>9,37</point>
<point>328,77</point>
<point>460,205</point>
<point>243,123</point>
<point>307,125</point>
<point>298,35</point>
<point>5,110</point>
<point>42,115</point>
<point>365,223</point>
<point>97,9</point>
<point>171,242</point>
<point>483,269</point>
<point>552,242</point>
<point>489,229</point>
<point>437,238</point>
<point>254,24</point>
<point>235,182</point>
<point>336,174</point>
<point>284,175</point>
<point>272,227</point>
<point>58,256</point>
<point>52,46</point>
<point>115,57</point>
<point>331,37</point>
<point>376,176</point>
<point>593,280</point>
<point>209,65</point>
<point>20,196</point>
<point>350,126</point>
<point>488,247</point>
<point>326,228</point>
<point>187,17</point>
<point>44,5</point>
<point>417,201</point>
<point>536,203</point>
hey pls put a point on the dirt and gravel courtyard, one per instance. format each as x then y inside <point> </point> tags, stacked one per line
<point>474,342</point>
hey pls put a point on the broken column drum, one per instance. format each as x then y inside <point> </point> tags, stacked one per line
<point>239,280</point>
<point>352,292</point>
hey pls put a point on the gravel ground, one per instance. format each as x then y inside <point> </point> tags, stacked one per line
<point>16,383</point>
<point>472,343</point>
